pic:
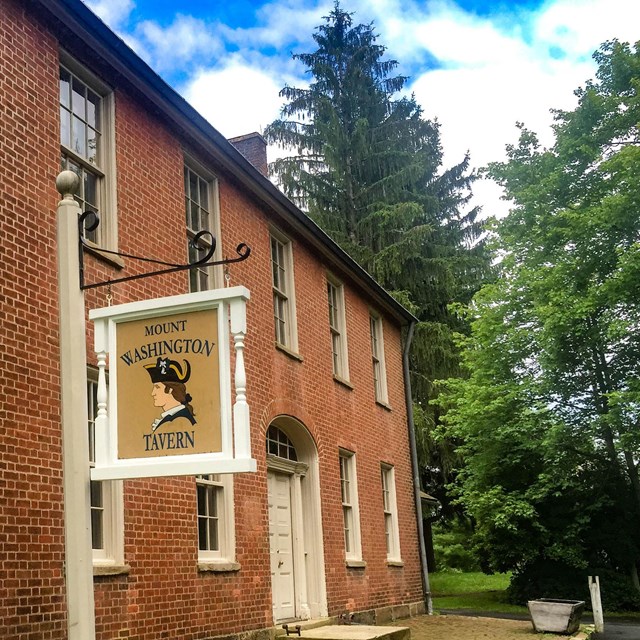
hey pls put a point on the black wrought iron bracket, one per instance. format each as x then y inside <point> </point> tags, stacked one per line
<point>89,221</point>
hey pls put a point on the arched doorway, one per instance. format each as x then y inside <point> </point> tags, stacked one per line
<point>295,522</point>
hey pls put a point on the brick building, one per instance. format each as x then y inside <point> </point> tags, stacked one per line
<point>186,557</point>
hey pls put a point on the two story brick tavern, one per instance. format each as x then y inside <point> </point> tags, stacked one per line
<point>328,524</point>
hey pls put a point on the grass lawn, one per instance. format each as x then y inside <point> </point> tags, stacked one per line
<point>472,591</point>
<point>481,592</point>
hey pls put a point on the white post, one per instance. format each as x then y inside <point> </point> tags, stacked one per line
<point>75,439</point>
<point>242,441</point>
<point>102,445</point>
<point>596,604</point>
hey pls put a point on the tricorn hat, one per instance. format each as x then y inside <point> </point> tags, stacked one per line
<point>166,370</point>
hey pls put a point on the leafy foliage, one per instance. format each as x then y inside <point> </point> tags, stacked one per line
<point>452,549</point>
<point>550,414</point>
<point>366,166</point>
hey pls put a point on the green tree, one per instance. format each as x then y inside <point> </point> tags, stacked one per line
<point>367,167</point>
<point>550,414</point>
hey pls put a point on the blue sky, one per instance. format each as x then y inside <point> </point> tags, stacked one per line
<point>478,66</point>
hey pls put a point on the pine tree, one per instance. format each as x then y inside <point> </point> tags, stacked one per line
<point>367,167</point>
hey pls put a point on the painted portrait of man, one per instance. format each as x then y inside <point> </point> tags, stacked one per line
<point>169,393</point>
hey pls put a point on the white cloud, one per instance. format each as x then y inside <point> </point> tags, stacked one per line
<point>280,24</point>
<point>237,99</point>
<point>115,13</point>
<point>176,45</point>
<point>579,27</point>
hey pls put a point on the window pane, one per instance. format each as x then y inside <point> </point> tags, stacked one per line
<point>204,195</point>
<point>78,137</point>
<point>195,217</point>
<point>202,500</point>
<point>202,534</point>
<point>280,249</point>
<point>92,145</point>
<point>97,539</point>
<point>203,278</point>
<point>93,110</point>
<point>90,188</point>
<point>204,220</point>
<point>193,280</point>
<point>212,502</point>
<point>65,87</point>
<point>193,186</point>
<point>347,529</point>
<point>213,535</point>
<point>65,127</point>
<point>281,332</point>
<point>78,100</point>
<point>274,263</point>
<point>96,494</point>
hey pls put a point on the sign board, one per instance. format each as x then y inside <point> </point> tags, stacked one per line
<point>170,409</point>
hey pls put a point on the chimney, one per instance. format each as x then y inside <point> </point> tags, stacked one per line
<point>254,148</point>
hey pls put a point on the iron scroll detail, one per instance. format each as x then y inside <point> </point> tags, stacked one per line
<point>89,221</point>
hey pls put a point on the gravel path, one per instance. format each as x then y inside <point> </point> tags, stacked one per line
<point>449,627</point>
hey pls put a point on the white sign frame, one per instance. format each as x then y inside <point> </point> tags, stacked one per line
<point>235,456</point>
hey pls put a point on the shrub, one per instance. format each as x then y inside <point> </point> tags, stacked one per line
<point>453,550</point>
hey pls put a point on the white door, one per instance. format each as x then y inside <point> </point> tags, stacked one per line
<point>281,546</point>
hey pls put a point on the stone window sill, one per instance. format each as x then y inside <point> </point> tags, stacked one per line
<point>384,405</point>
<point>287,352</point>
<point>343,382</point>
<point>356,564</point>
<point>113,260</point>
<point>111,570</point>
<point>218,567</point>
<point>395,563</point>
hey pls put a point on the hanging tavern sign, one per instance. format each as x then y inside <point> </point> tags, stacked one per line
<point>170,408</point>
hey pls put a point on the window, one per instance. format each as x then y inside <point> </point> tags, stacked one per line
<point>377,357</point>
<point>350,512</point>
<point>278,444</point>
<point>107,529</point>
<point>391,531</point>
<point>216,533</point>
<point>283,291</point>
<point>201,210</point>
<point>337,327</point>
<point>87,145</point>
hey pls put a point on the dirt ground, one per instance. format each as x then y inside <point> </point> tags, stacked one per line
<point>469,628</point>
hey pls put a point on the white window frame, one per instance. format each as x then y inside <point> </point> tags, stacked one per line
<point>350,506</point>
<point>213,275</point>
<point>222,485</point>
<point>284,299</point>
<point>338,328</point>
<point>390,510</point>
<point>377,359</point>
<point>104,166</point>
<point>111,551</point>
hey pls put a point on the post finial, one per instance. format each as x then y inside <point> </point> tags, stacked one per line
<point>67,184</point>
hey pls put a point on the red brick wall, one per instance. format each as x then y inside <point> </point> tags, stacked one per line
<point>164,595</point>
<point>31,512</point>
